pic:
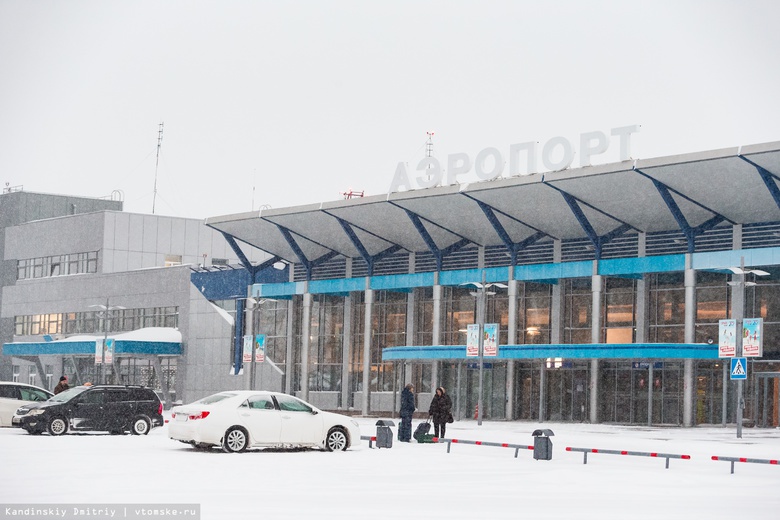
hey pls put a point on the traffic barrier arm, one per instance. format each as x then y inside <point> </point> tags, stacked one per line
<point>450,442</point>
<point>666,456</point>
<point>370,439</point>
<point>744,459</point>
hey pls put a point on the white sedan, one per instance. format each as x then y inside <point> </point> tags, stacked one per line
<point>14,395</point>
<point>239,419</point>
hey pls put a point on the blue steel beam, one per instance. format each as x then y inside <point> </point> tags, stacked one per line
<point>597,241</point>
<point>497,226</point>
<point>296,249</point>
<point>581,218</point>
<point>769,180</point>
<point>677,213</point>
<point>367,257</point>
<point>237,250</point>
<point>418,225</point>
<point>690,232</point>
<point>454,247</point>
<point>513,247</point>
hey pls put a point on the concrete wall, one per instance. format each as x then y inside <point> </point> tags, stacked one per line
<point>205,367</point>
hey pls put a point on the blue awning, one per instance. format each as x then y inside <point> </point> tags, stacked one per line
<point>159,341</point>
<point>576,351</point>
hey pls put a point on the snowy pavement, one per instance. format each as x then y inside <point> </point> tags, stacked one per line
<point>410,480</point>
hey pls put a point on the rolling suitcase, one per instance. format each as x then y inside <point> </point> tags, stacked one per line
<point>422,430</point>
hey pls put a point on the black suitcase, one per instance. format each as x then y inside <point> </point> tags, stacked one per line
<point>421,430</point>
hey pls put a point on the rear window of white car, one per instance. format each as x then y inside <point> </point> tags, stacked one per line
<point>216,398</point>
<point>32,394</point>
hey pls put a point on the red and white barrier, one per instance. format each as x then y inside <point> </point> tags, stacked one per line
<point>744,459</point>
<point>666,456</point>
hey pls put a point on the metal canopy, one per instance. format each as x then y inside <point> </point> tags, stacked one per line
<point>691,193</point>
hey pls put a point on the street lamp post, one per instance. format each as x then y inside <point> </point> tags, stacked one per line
<point>106,310</point>
<point>739,284</point>
<point>252,305</point>
<point>481,295</point>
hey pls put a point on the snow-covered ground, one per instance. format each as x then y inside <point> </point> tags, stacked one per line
<point>411,481</point>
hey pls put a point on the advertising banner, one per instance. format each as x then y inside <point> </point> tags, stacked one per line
<point>472,340</point>
<point>260,348</point>
<point>752,337</point>
<point>247,357</point>
<point>727,338</point>
<point>490,344</point>
<point>108,355</point>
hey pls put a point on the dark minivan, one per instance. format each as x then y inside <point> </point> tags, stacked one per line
<point>111,408</point>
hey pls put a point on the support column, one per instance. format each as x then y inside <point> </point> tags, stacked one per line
<point>305,343</point>
<point>410,338</point>
<point>597,286</point>
<point>556,330</point>
<point>690,334</point>
<point>436,340</point>
<point>369,300</point>
<point>346,349</point>
<point>511,339</point>
<point>288,356</point>
<point>642,299</point>
<point>157,365</point>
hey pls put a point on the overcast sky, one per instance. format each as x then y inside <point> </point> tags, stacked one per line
<point>289,103</point>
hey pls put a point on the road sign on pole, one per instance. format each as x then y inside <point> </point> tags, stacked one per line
<point>738,368</point>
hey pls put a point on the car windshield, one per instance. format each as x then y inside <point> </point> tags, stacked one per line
<point>216,398</point>
<point>67,395</point>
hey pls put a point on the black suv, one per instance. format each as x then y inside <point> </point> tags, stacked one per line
<point>111,408</point>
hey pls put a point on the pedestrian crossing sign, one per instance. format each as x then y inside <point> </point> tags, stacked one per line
<point>738,368</point>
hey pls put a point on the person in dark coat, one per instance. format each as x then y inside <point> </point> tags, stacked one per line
<point>62,385</point>
<point>440,411</point>
<point>407,410</point>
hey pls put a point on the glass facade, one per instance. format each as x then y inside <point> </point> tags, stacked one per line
<point>630,391</point>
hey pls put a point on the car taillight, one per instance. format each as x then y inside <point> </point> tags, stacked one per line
<point>196,416</point>
<point>160,409</point>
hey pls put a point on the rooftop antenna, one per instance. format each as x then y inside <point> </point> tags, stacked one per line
<point>157,164</point>
<point>429,151</point>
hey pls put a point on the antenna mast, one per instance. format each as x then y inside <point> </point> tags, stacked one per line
<point>429,152</point>
<point>157,164</point>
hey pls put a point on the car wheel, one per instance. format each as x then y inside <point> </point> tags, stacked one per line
<point>236,440</point>
<point>57,426</point>
<point>336,440</point>
<point>140,426</point>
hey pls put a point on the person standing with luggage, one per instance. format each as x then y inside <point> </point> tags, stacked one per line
<point>407,410</point>
<point>441,412</point>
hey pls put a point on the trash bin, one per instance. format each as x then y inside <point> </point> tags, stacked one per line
<point>542,444</point>
<point>384,435</point>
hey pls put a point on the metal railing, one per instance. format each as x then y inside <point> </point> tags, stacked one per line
<point>744,459</point>
<point>666,456</point>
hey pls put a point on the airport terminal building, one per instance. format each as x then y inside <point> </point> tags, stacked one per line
<point>607,284</point>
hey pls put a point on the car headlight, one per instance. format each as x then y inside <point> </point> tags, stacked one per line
<point>36,411</point>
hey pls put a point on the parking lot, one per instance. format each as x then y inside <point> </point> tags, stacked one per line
<point>419,480</point>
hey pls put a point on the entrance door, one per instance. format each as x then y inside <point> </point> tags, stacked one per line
<point>493,390</point>
<point>566,391</point>
<point>768,390</point>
